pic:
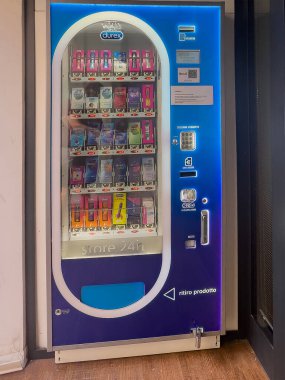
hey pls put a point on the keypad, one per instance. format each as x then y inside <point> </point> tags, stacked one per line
<point>187,141</point>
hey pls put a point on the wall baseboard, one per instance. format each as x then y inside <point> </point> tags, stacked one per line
<point>13,362</point>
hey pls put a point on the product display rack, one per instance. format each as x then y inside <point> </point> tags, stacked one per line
<point>84,152</point>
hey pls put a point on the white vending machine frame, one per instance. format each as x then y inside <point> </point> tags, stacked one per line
<point>164,139</point>
<point>119,349</point>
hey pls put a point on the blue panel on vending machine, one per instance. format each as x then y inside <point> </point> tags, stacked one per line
<point>138,203</point>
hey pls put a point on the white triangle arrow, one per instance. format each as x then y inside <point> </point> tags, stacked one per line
<point>170,294</point>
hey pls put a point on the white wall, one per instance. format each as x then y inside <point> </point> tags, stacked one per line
<point>12,307</point>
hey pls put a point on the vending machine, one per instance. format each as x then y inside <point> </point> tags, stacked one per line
<point>136,178</point>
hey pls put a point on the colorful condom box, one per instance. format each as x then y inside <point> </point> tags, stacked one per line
<point>77,138</point>
<point>106,98</point>
<point>134,210</point>
<point>147,97</point>
<point>105,210</point>
<point>105,62</point>
<point>121,135</point>
<point>148,169</point>
<point>77,100</point>
<point>134,62</point>
<point>134,99</point>
<point>119,208</point>
<point>147,132</point>
<point>120,63</point>
<point>77,65</point>
<point>134,133</point>
<point>93,136</point>
<point>120,99</point>
<point>106,170</point>
<point>92,62</point>
<point>76,176</point>
<point>77,212</point>
<point>91,211</point>
<point>134,166</point>
<point>147,62</point>
<point>92,100</point>
<point>148,215</point>
<point>91,170</point>
<point>120,171</point>
<point>107,135</point>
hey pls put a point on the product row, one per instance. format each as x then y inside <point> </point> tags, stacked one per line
<point>107,99</point>
<point>118,171</point>
<point>92,63</point>
<point>121,134</point>
<point>106,211</point>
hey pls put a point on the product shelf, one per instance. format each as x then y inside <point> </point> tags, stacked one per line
<point>113,79</point>
<point>112,189</point>
<point>112,115</point>
<point>110,152</point>
<point>123,233</point>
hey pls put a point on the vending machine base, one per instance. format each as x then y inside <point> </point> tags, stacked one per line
<point>141,348</point>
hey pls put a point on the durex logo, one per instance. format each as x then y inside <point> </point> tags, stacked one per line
<point>112,35</point>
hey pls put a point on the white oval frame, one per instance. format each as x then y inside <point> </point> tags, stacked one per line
<point>56,164</point>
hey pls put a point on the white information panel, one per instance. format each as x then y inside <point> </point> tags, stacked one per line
<point>192,95</point>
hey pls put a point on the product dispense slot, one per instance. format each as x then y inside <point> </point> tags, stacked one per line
<point>204,227</point>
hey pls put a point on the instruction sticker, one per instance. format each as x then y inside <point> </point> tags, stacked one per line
<point>192,95</point>
<point>188,56</point>
<point>188,75</point>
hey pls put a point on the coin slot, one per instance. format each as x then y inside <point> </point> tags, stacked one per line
<point>190,173</point>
